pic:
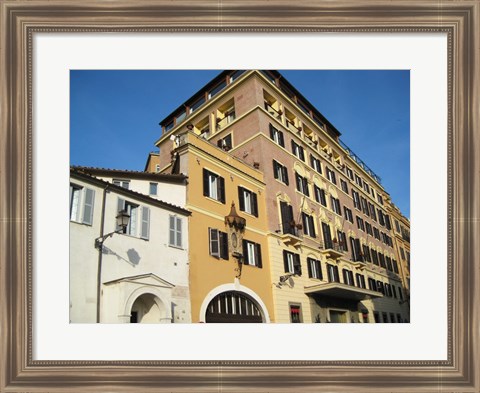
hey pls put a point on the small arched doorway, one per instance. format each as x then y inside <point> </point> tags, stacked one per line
<point>145,309</point>
<point>233,307</point>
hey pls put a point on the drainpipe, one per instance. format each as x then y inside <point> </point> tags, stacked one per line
<point>100,254</point>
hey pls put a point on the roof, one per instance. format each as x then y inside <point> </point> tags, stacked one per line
<point>160,177</point>
<point>75,173</point>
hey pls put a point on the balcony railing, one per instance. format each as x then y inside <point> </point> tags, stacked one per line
<point>292,126</point>
<point>272,111</point>
<point>229,117</point>
<point>360,162</point>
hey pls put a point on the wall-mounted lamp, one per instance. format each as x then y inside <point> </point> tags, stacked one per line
<point>122,222</point>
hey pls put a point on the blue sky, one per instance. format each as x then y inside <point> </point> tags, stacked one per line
<point>114,116</point>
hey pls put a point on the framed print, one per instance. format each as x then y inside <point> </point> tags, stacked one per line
<point>44,43</point>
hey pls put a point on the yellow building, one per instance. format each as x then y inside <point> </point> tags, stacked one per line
<point>324,219</point>
<point>229,281</point>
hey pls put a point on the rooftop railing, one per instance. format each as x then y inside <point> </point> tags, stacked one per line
<point>359,161</point>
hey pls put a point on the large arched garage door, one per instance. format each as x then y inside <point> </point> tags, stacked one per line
<point>233,307</point>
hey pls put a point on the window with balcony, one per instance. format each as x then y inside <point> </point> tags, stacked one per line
<point>314,268</point>
<point>298,151</point>
<point>320,195</point>
<point>225,114</point>
<point>288,222</point>
<point>252,253</point>
<point>276,136</point>
<point>272,106</point>
<point>292,263</point>
<point>280,172</point>
<point>213,186</point>
<point>302,184</point>
<point>248,201</point>
<point>308,225</point>
<point>218,243</point>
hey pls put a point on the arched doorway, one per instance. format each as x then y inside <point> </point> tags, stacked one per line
<point>145,309</point>
<point>233,307</point>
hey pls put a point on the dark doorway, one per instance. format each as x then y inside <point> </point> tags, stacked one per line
<point>233,307</point>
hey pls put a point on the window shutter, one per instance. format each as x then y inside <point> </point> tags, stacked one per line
<point>271,132</point>
<point>297,264</point>
<point>88,206</point>
<point>312,226</point>
<point>254,205</point>
<point>223,245</point>
<point>221,189</point>
<point>258,254</point>
<point>293,147</point>
<point>145,229</point>
<point>120,206</point>
<point>344,274</point>
<point>205,183</point>
<point>275,168</point>
<point>311,161</point>
<point>241,200</point>
<point>335,272</point>
<point>220,143</point>
<point>171,240</point>
<point>245,252</point>
<point>214,242</point>
<point>302,154</point>
<point>178,239</point>
<point>309,267</point>
<point>285,261</point>
<point>285,174</point>
<point>305,184</point>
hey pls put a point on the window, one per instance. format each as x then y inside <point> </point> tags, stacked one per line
<point>381,257</point>
<point>138,215</point>
<point>365,206</point>
<point>349,173</point>
<point>392,317</point>
<point>331,176</point>
<point>81,204</point>
<point>197,104</point>
<point>252,254</point>
<point>376,316</point>
<point>372,191</point>
<point>157,168</point>
<point>302,184</point>
<point>388,290</point>
<point>218,243</point>
<point>342,240</point>
<point>248,201</point>
<point>358,180</point>
<point>360,224</point>
<point>175,238</point>
<point>320,195</point>
<point>336,205</point>
<point>288,222</point>
<point>122,183</point>
<point>295,314</point>
<point>360,280</point>
<point>399,318</point>
<point>388,261</point>
<point>308,225</point>
<point>397,226</point>
<point>394,291</point>
<point>372,284</point>
<point>215,90</point>
<point>380,199</point>
<point>356,251</point>
<point>372,211</point>
<point>225,114</point>
<point>225,143</point>
<point>380,287</point>
<point>292,263</point>
<point>376,233</point>
<point>327,236</point>
<point>375,257</point>
<point>381,218</point>
<point>332,272</point>
<point>366,187</point>
<point>153,189</point>
<point>368,228</point>
<point>344,186</point>
<point>297,150</point>
<point>366,253</point>
<point>356,200</point>
<point>276,136</point>
<point>315,163</point>
<point>348,277</point>
<point>280,172</point>
<point>213,186</point>
<point>348,214</point>
<point>385,317</point>
<point>400,293</point>
<point>402,253</point>
<point>314,268</point>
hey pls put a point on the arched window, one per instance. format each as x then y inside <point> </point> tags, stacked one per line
<point>233,307</point>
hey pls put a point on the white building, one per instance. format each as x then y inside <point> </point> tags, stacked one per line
<point>140,274</point>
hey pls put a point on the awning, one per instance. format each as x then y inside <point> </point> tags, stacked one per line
<point>342,291</point>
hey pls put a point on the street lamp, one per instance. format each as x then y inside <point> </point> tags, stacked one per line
<point>122,222</point>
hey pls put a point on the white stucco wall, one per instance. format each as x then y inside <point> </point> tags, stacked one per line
<point>151,265</point>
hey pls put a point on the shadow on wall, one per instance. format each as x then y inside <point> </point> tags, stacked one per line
<point>132,255</point>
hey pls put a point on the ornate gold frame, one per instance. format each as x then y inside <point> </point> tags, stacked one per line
<point>19,20</point>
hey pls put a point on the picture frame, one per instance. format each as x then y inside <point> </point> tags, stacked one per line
<point>21,19</point>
